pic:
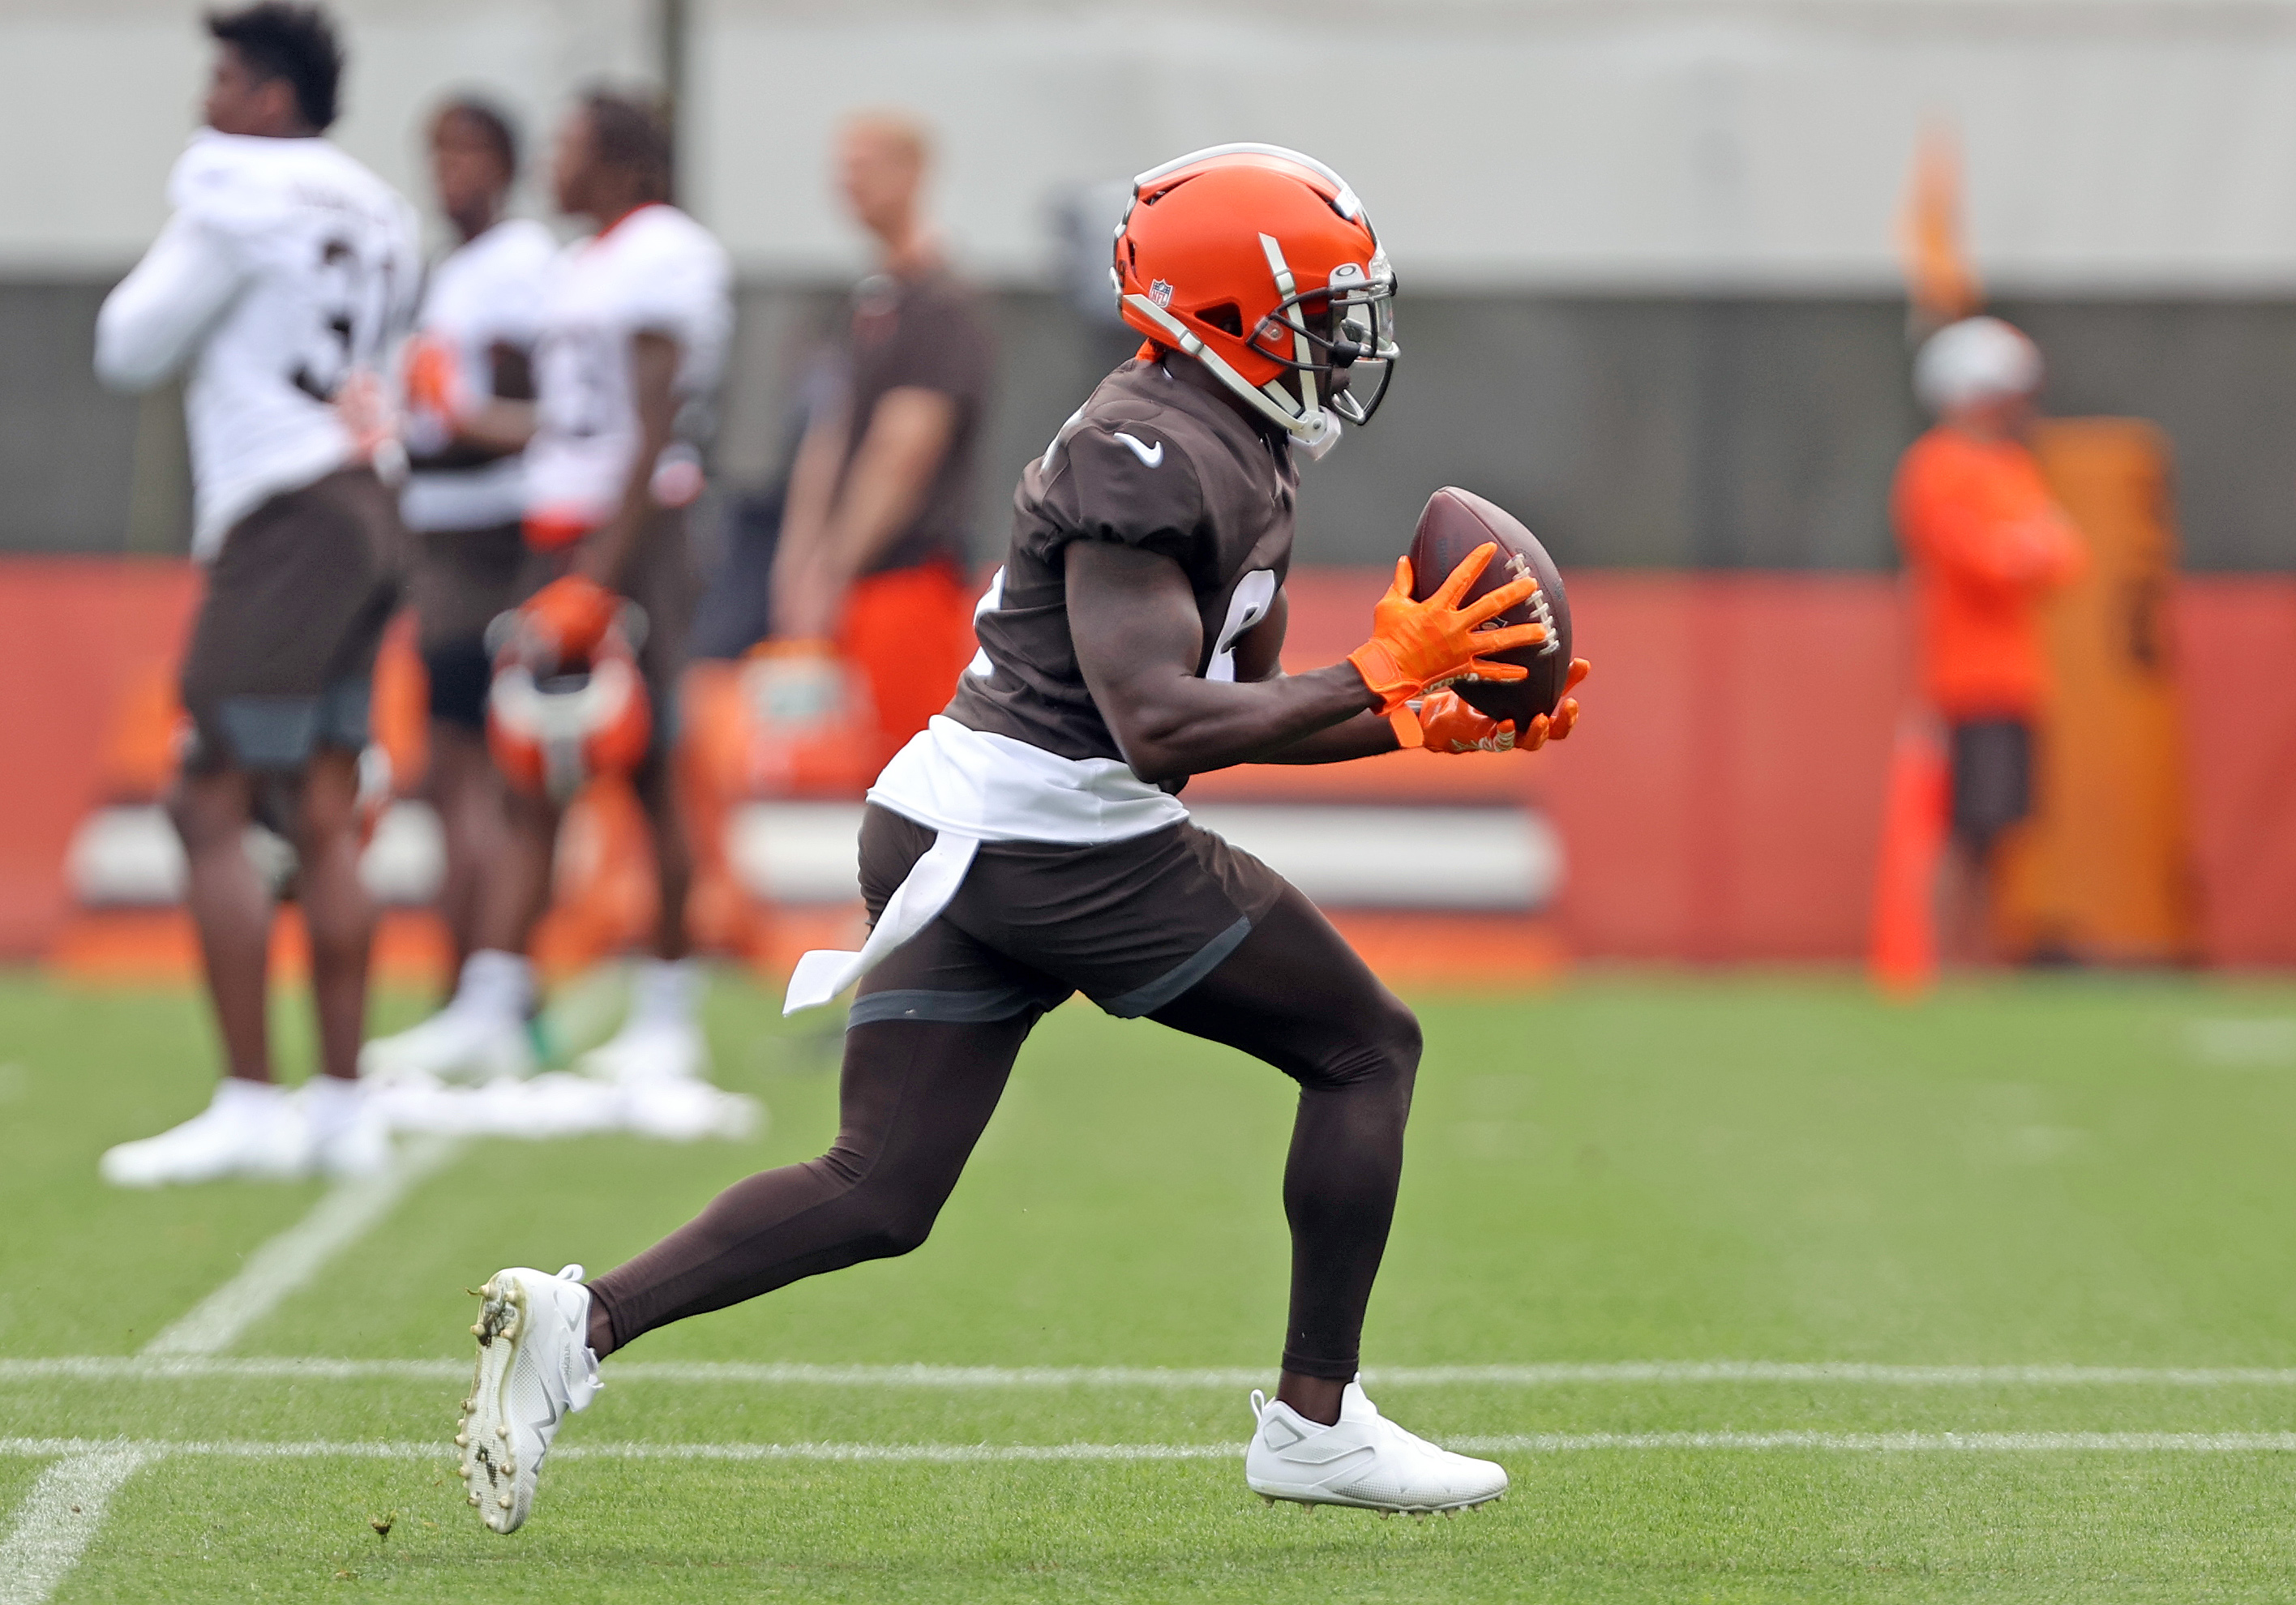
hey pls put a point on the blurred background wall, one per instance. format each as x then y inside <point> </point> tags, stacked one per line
<point>1651,302</point>
<point>1647,248</point>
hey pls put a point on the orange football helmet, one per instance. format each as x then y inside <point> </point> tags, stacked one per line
<point>1258,261</point>
<point>558,719</point>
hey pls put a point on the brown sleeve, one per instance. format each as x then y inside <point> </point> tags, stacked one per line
<point>1101,488</point>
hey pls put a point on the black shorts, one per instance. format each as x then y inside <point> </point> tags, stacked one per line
<point>461,579</point>
<point>282,659</point>
<point>1992,779</point>
<point>662,582</point>
<point>1131,924</point>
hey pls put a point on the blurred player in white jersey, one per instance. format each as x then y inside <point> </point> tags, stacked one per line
<point>469,412</point>
<point>285,269</point>
<point>633,329</point>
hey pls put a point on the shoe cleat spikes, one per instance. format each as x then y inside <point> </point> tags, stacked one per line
<point>502,1429</point>
<point>463,1472</point>
<point>462,1440</point>
<point>474,1496</point>
<point>504,1500</point>
<point>478,1328</point>
<point>469,1406</point>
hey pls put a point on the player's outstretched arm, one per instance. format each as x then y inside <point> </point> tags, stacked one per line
<point>1138,640</point>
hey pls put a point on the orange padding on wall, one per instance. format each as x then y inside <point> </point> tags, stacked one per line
<point>1721,801</point>
<point>76,636</point>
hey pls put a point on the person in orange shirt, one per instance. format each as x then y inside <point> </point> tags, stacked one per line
<point>1984,544</point>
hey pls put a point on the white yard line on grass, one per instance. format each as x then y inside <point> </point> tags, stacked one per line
<point>61,1515</point>
<point>82,1451</point>
<point>346,1214</point>
<point>155,1364</point>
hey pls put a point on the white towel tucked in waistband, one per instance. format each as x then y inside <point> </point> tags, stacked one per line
<point>971,786</point>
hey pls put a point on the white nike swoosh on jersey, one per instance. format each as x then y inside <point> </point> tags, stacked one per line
<point>1151,455</point>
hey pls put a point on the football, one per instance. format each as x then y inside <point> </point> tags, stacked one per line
<point>1454,523</point>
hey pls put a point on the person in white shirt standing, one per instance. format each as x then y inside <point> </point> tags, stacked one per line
<point>633,327</point>
<point>281,275</point>
<point>469,394</point>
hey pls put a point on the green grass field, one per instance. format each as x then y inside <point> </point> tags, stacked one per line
<point>2074,1172</point>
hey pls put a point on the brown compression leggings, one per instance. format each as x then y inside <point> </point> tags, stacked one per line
<point>916,1096</point>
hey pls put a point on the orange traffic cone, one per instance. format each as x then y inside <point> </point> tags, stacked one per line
<point>1904,956</point>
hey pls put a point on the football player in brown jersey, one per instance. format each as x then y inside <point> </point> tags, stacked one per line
<point>1030,842</point>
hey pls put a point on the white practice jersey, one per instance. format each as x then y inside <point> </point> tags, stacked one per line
<point>485,293</point>
<point>286,266</point>
<point>659,272</point>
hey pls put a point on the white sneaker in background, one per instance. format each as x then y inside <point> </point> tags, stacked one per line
<point>661,1039</point>
<point>688,1108</point>
<point>248,1128</point>
<point>349,1136</point>
<point>1365,1461</point>
<point>455,1045</point>
<point>481,1036</point>
<point>535,1367</point>
<point>650,1050</point>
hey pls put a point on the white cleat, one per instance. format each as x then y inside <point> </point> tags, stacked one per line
<point>248,1128</point>
<point>535,1367</point>
<point>458,1043</point>
<point>650,1050</point>
<point>1365,1460</point>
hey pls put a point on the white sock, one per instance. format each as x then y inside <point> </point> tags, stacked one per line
<point>497,984</point>
<point>666,992</point>
<point>331,1104</point>
<point>237,1094</point>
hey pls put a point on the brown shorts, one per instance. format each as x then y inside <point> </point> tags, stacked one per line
<point>463,579</point>
<point>663,582</point>
<point>1131,924</point>
<point>282,653</point>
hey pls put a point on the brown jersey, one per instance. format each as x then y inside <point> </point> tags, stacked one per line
<point>1156,460</point>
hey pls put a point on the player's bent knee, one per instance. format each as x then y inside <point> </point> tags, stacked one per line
<point>891,1227</point>
<point>1383,1049</point>
<point>1399,1031</point>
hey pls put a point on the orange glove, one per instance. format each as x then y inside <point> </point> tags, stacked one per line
<point>432,384</point>
<point>1543,729</point>
<point>566,619</point>
<point>1448,723</point>
<point>1416,647</point>
<point>1451,724</point>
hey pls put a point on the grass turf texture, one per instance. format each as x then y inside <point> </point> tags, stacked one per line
<point>2065,1170</point>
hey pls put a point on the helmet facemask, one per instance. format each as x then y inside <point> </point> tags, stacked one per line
<point>1339,339</point>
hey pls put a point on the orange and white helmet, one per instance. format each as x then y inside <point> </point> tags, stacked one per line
<point>553,732</point>
<point>1259,262</point>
